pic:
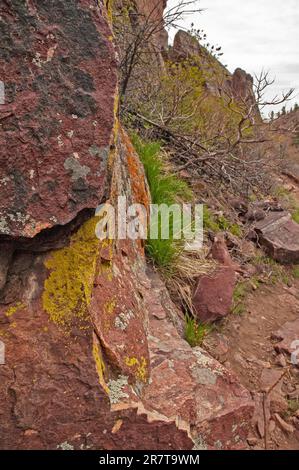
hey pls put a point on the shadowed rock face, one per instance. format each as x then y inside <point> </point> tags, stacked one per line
<point>59,70</point>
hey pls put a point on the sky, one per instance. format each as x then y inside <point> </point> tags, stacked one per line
<point>255,35</point>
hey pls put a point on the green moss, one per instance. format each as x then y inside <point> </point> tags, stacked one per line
<point>68,289</point>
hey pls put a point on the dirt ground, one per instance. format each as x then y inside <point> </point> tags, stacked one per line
<point>244,343</point>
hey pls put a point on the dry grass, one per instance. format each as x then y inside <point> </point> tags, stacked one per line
<point>188,267</point>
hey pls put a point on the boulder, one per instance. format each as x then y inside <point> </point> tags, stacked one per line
<point>212,299</point>
<point>186,45</point>
<point>213,294</point>
<point>279,235</point>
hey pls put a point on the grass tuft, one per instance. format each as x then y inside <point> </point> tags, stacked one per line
<point>165,188</point>
<point>295,272</point>
<point>195,332</point>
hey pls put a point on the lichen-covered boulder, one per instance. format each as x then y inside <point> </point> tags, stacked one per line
<point>59,70</point>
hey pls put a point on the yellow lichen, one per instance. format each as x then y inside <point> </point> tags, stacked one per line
<point>109,306</point>
<point>100,366</point>
<point>140,365</point>
<point>14,308</point>
<point>115,132</point>
<point>109,7</point>
<point>68,289</point>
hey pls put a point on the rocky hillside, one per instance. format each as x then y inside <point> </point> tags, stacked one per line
<point>95,341</point>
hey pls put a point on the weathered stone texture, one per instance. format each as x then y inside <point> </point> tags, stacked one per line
<point>59,70</point>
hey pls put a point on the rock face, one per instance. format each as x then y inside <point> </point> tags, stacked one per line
<point>279,234</point>
<point>60,80</point>
<point>91,363</point>
<point>242,85</point>
<point>213,294</point>
<point>155,11</point>
<point>238,85</point>
<point>93,355</point>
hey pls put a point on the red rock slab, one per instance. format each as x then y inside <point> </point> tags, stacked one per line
<point>279,235</point>
<point>213,295</point>
<point>59,71</point>
<point>194,389</point>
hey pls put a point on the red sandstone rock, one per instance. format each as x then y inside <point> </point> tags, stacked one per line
<point>121,376</point>
<point>60,79</point>
<point>279,235</point>
<point>277,401</point>
<point>213,294</point>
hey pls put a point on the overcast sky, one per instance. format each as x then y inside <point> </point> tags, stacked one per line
<point>255,35</point>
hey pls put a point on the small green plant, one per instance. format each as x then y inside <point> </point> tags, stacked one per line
<point>295,272</point>
<point>195,332</point>
<point>209,222</point>
<point>236,230</point>
<point>293,406</point>
<point>289,199</point>
<point>220,223</point>
<point>239,296</point>
<point>295,215</point>
<point>276,272</point>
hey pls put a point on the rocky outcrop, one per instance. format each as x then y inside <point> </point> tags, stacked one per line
<point>92,364</point>
<point>155,11</point>
<point>221,82</point>
<point>279,235</point>
<point>292,171</point>
<point>187,46</point>
<point>94,358</point>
